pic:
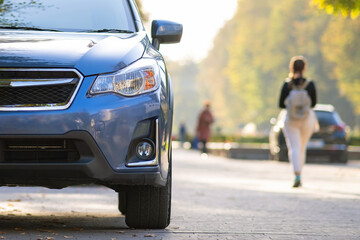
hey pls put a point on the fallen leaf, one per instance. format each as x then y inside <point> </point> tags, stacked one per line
<point>2,232</point>
<point>56,221</point>
<point>114,239</point>
<point>68,236</point>
<point>49,238</point>
<point>16,200</point>
<point>2,237</point>
<point>43,230</point>
<point>18,229</point>
<point>78,229</point>
<point>10,205</point>
<point>134,235</point>
<point>120,231</point>
<point>150,235</point>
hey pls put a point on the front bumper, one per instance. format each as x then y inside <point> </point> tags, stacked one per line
<point>105,123</point>
<point>90,167</point>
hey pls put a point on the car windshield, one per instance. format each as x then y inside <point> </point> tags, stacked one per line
<point>67,15</point>
<point>328,118</point>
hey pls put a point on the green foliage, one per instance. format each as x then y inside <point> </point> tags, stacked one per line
<point>340,45</point>
<point>214,85</point>
<point>354,141</point>
<point>346,7</point>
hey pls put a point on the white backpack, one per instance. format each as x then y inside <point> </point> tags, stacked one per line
<point>298,102</point>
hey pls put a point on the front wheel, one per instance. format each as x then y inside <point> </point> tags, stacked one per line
<point>122,202</point>
<point>148,206</point>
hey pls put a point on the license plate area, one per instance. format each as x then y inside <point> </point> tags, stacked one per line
<point>315,144</point>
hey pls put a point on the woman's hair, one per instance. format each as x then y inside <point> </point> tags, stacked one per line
<point>297,65</point>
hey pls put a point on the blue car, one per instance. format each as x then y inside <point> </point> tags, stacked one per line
<point>85,98</point>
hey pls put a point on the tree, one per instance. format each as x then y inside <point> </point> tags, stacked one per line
<point>214,85</point>
<point>346,7</point>
<point>340,47</point>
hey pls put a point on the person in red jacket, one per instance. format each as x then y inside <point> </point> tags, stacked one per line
<point>203,127</point>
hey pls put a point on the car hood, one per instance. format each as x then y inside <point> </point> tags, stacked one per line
<point>89,53</point>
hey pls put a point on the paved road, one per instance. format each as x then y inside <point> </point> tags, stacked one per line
<point>214,198</point>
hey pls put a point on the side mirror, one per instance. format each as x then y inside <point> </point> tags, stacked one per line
<point>165,32</point>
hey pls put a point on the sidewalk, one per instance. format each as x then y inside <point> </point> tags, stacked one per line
<point>221,198</point>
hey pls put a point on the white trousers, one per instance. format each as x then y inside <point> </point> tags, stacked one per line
<point>297,135</point>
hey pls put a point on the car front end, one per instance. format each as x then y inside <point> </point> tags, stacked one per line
<point>87,101</point>
<point>67,116</point>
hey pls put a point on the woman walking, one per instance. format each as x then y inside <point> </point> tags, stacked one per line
<point>298,96</point>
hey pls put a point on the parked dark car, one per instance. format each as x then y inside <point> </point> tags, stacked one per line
<point>86,98</point>
<point>329,144</point>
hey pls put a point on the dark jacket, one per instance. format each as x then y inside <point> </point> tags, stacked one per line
<point>286,88</point>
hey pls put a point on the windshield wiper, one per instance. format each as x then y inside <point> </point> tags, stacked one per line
<point>29,28</point>
<point>109,31</point>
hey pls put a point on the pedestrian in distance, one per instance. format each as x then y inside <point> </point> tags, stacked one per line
<point>203,126</point>
<point>298,96</point>
<point>182,133</point>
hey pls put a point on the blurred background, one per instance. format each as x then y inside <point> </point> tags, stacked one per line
<point>235,53</point>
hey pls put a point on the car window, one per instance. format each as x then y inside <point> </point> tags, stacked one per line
<point>67,15</point>
<point>337,118</point>
<point>328,118</point>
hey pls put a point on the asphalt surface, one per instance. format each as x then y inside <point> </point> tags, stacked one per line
<point>213,198</point>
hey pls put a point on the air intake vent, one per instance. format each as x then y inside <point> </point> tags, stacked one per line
<point>39,150</point>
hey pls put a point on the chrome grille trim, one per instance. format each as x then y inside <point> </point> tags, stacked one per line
<point>40,82</point>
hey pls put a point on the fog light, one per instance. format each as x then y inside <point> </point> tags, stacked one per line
<point>145,150</point>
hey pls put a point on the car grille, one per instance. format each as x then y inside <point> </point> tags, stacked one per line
<point>37,89</point>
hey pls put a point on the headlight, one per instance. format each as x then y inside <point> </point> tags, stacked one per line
<point>138,78</point>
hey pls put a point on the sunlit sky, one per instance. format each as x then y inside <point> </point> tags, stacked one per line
<point>201,20</point>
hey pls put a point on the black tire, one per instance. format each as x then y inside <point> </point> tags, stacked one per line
<point>148,206</point>
<point>122,202</point>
